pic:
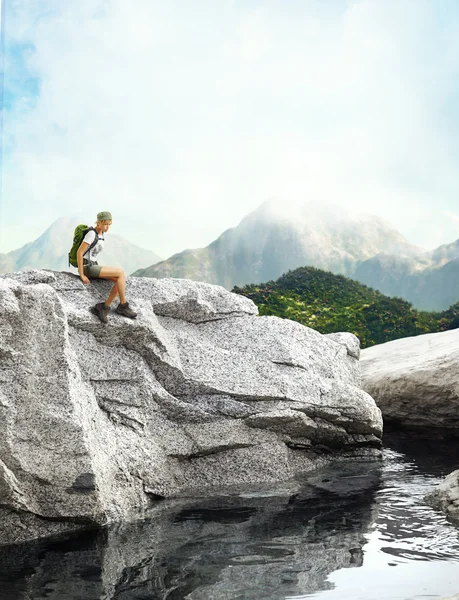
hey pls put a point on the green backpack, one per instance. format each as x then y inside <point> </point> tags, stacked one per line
<point>78,235</point>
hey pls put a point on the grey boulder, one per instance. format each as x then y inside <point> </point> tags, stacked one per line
<point>415,381</point>
<point>198,391</point>
<point>446,496</point>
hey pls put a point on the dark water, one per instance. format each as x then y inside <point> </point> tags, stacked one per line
<point>352,532</point>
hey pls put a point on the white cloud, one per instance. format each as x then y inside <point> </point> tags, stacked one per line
<point>183,117</point>
<point>450,215</point>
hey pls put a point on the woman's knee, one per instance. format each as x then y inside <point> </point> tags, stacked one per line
<point>113,273</point>
<point>118,273</point>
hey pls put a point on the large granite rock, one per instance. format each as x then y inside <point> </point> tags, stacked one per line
<point>415,381</point>
<point>198,391</point>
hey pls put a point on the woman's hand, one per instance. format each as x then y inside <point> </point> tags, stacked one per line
<point>84,279</point>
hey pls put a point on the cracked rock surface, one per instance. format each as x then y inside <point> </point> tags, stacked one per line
<point>198,391</point>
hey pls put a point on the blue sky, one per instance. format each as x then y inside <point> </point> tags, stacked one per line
<point>182,117</point>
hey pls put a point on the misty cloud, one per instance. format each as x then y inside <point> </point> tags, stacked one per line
<point>183,117</point>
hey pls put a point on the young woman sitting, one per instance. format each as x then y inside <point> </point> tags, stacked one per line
<point>89,269</point>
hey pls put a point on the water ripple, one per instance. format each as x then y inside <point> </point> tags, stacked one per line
<point>354,531</point>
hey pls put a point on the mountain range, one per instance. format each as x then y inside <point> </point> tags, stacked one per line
<point>271,240</point>
<point>429,281</point>
<point>274,239</point>
<point>50,251</point>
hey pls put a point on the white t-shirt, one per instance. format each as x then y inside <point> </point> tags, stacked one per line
<point>89,238</point>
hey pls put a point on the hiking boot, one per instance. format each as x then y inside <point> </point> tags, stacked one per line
<point>101,311</point>
<point>123,309</point>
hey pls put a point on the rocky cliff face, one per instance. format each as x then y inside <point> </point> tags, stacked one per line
<point>197,392</point>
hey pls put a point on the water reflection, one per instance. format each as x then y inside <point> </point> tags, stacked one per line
<point>429,452</point>
<point>337,534</point>
<point>255,545</point>
<point>412,552</point>
<point>413,465</point>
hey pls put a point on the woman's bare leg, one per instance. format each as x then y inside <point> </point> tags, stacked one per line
<point>117,275</point>
<point>113,294</point>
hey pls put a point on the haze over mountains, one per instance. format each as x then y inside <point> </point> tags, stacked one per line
<point>429,281</point>
<point>50,251</point>
<point>271,240</point>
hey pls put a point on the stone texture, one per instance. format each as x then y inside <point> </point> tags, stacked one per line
<point>348,340</point>
<point>415,381</point>
<point>197,392</point>
<point>446,496</point>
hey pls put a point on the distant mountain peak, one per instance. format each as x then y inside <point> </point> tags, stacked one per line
<point>279,236</point>
<point>50,250</point>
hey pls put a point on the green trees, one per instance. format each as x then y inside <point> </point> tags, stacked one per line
<point>329,303</point>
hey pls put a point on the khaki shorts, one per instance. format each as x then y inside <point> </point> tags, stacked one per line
<point>92,271</point>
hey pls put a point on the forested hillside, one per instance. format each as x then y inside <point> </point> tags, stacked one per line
<point>330,303</point>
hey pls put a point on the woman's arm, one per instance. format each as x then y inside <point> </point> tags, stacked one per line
<point>81,250</point>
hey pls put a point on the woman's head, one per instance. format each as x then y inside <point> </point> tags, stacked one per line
<point>104,220</point>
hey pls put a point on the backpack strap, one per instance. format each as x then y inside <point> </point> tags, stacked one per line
<point>96,239</point>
